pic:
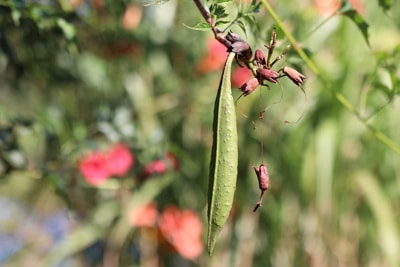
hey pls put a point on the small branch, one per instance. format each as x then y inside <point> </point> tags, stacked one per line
<point>218,34</point>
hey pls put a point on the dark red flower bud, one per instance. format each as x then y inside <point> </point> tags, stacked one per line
<point>153,168</point>
<point>262,176</point>
<point>263,182</point>
<point>249,87</point>
<point>233,37</point>
<point>259,57</point>
<point>269,75</point>
<point>239,46</point>
<point>294,75</point>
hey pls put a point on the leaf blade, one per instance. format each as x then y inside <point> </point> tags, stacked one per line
<point>348,10</point>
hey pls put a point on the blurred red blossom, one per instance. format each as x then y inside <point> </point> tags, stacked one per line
<point>215,57</point>
<point>328,7</point>
<point>160,166</point>
<point>144,216</point>
<point>97,166</point>
<point>93,167</point>
<point>119,160</point>
<point>182,229</point>
<point>240,76</point>
<point>132,16</point>
<point>154,167</point>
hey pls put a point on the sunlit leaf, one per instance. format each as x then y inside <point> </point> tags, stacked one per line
<point>222,22</point>
<point>202,26</point>
<point>67,28</point>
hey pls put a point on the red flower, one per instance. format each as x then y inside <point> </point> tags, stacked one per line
<point>240,76</point>
<point>144,216</point>
<point>93,167</point>
<point>183,230</point>
<point>215,57</point>
<point>167,163</point>
<point>96,166</point>
<point>119,160</point>
<point>154,167</point>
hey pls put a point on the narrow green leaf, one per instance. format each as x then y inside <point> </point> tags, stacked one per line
<point>347,10</point>
<point>223,1</point>
<point>224,158</point>
<point>202,26</point>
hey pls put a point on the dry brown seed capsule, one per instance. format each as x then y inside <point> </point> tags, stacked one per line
<point>294,75</point>
<point>263,182</point>
<point>233,37</point>
<point>259,57</point>
<point>249,87</point>
<point>240,47</point>
<point>268,74</point>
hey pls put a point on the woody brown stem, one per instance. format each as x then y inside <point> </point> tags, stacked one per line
<point>218,34</point>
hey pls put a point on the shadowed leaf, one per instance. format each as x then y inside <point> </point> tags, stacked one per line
<point>347,10</point>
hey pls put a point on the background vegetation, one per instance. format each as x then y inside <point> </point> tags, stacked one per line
<point>81,76</point>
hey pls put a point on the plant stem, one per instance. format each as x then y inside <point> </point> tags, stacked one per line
<point>218,34</point>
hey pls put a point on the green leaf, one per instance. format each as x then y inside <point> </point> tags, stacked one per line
<point>202,26</point>
<point>347,10</point>
<point>385,4</point>
<point>67,28</point>
<point>223,1</point>
<point>224,158</point>
<point>255,7</point>
<point>220,12</point>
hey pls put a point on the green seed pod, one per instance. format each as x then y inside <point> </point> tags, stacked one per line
<point>224,158</point>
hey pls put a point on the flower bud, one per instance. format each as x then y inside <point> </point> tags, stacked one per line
<point>268,74</point>
<point>263,182</point>
<point>259,57</point>
<point>262,176</point>
<point>294,75</point>
<point>239,46</point>
<point>249,87</point>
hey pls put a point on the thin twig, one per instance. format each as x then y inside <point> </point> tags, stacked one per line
<point>218,34</point>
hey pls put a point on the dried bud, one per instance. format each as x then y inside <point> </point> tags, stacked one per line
<point>249,87</point>
<point>268,74</point>
<point>259,57</point>
<point>262,176</point>
<point>294,75</point>
<point>263,182</point>
<point>233,37</point>
<point>239,46</point>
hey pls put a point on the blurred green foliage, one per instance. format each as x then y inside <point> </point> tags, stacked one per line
<point>76,76</point>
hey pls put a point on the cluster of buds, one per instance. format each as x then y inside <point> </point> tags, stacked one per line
<point>240,47</point>
<point>263,67</point>
<point>263,73</point>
